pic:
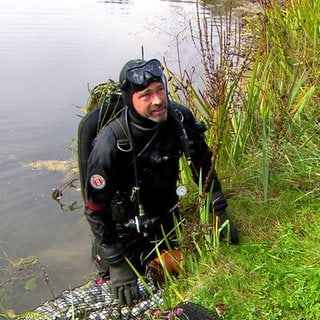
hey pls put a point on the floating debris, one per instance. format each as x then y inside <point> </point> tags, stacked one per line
<point>51,165</point>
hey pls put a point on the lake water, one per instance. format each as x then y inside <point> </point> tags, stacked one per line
<point>50,52</point>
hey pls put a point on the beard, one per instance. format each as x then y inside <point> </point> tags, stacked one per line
<point>159,113</point>
<point>159,119</point>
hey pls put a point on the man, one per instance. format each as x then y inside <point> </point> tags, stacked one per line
<point>133,169</point>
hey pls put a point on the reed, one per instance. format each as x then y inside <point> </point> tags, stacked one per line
<point>250,104</point>
<point>262,114</point>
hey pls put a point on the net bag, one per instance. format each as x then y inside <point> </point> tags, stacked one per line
<point>95,302</point>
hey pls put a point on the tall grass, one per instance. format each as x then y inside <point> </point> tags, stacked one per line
<point>257,103</point>
<point>262,114</point>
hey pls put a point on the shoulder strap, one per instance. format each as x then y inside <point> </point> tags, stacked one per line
<point>120,128</point>
<point>110,108</point>
<point>121,131</point>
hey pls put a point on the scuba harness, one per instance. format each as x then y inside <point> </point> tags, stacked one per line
<point>141,223</point>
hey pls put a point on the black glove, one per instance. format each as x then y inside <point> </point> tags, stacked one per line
<point>219,202</point>
<point>233,235</point>
<point>124,283</point>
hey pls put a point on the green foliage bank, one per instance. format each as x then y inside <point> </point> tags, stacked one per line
<point>261,105</point>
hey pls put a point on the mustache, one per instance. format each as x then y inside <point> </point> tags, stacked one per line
<point>155,107</point>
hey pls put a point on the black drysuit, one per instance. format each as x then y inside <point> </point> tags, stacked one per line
<point>111,181</point>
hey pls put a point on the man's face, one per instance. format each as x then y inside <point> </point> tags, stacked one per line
<point>152,102</point>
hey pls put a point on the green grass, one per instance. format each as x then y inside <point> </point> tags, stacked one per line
<point>272,274</point>
<point>265,130</point>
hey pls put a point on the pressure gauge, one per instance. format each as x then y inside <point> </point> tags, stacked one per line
<point>181,191</point>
